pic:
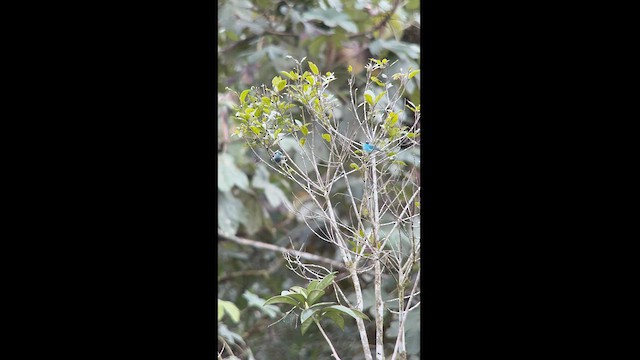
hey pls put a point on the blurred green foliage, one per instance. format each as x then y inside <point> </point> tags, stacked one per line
<point>254,39</point>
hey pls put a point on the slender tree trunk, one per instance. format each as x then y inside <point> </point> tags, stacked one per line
<point>379,305</point>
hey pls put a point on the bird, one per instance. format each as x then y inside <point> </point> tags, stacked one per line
<point>278,157</point>
<point>369,147</point>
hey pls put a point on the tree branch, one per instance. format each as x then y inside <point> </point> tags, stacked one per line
<point>270,247</point>
<point>384,21</point>
<point>333,350</point>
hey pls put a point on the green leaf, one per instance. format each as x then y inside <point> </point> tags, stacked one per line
<point>304,130</point>
<point>253,218</point>
<point>243,96</point>
<point>313,68</point>
<point>313,285</point>
<point>400,48</point>
<point>298,297</point>
<point>231,309</point>
<point>275,81</point>
<point>350,69</point>
<point>316,45</point>
<point>327,280</point>
<point>377,81</point>
<point>281,85</point>
<point>229,174</point>
<point>392,119</point>
<point>354,313</point>
<point>354,166</point>
<point>300,290</point>
<point>417,204</point>
<point>413,73</point>
<point>220,310</point>
<point>310,79</point>
<point>379,97</point>
<point>337,318</point>
<point>231,211</point>
<point>302,141</point>
<point>321,304</point>
<point>314,295</point>
<point>306,314</point>
<point>411,135</point>
<point>281,299</point>
<point>254,300</point>
<point>305,325</point>
<point>368,96</point>
<point>274,195</point>
<point>255,129</point>
<point>287,75</point>
<point>326,137</point>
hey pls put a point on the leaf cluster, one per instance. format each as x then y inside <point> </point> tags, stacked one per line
<point>305,300</point>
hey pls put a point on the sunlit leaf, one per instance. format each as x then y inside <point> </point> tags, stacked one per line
<point>220,310</point>
<point>314,68</point>
<point>280,299</point>
<point>368,96</point>
<point>289,75</point>
<point>393,118</point>
<point>243,96</point>
<point>377,81</point>
<point>281,85</point>
<point>231,309</point>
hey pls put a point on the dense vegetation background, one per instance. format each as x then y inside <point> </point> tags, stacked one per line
<point>254,39</point>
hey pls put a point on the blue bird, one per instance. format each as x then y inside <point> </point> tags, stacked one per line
<point>369,147</point>
<point>278,157</point>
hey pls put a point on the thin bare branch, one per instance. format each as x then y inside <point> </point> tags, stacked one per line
<point>271,247</point>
